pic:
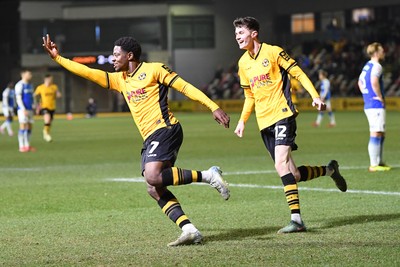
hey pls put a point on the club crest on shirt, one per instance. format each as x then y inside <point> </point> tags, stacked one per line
<point>142,76</point>
<point>265,62</point>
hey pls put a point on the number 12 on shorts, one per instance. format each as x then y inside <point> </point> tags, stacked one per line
<point>280,132</point>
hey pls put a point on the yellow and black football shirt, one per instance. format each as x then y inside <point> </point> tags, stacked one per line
<point>145,90</point>
<point>48,95</point>
<point>266,84</point>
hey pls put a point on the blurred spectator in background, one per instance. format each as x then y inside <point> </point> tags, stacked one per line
<point>224,85</point>
<point>325,94</point>
<point>341,54</point>
<point>91,108</point>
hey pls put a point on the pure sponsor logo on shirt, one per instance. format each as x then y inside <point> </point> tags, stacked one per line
<point>136,95</point>
<point>260,80</point>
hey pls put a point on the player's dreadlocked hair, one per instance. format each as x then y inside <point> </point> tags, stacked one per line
<point>129,44</point>
<point>248,22</point>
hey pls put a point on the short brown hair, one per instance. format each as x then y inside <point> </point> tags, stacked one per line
<point>248,22</point>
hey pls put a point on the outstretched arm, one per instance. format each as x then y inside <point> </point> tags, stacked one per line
<point>298,74</point>
<point>290,65</point>
<point>195,94</point>
<point>98,76</point>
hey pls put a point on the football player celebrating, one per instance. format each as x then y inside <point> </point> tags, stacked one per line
<point>145,89</point>
<point>263,72</point>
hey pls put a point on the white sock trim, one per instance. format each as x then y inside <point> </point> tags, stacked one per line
<point>189,228</point>
<point>296,217</point>
<point>206,176</point>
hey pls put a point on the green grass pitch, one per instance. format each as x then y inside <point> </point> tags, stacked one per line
<point>61,207</point>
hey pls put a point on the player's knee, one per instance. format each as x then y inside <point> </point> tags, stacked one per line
<point>153,178</point>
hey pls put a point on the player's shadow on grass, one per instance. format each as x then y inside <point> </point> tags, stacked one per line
<point>240,233</point>
<point>264,233</point>
<point>360,219</point>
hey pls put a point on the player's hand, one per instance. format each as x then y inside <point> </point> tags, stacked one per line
<point>380,99</point>
<point>50,47</point>
<point>317,102</point>
<point>221,117</point>
<point>239,129</point>
<point>26,113</point>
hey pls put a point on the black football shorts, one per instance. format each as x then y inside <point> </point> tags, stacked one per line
<point>282,132</point>
<point>162,145</point>
<point>48,111</point>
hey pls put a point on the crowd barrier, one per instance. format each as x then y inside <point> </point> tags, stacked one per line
<point>304,104</point>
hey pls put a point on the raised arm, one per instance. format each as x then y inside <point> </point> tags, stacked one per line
<point>98,76</point>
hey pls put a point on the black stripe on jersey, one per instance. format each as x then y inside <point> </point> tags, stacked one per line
<point>245,86</point>
<point>286,86</point>
<point>291,66</point>
<point>173,80</point>
<point>258,52</point>
<point>136,70</point>
<point>108,81</point>
<point>163,102</point>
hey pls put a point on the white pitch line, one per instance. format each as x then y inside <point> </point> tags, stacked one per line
<point>274,171</point>
<point>32,169</point>
<point>275,187</point>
